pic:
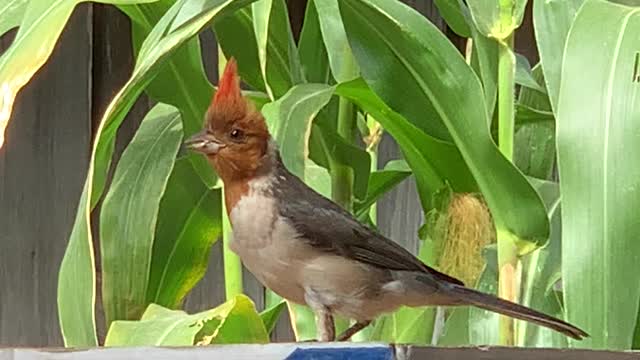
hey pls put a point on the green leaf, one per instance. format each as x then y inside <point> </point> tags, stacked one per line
<point>413,64</point>
<point>271,316</point>
<point>241,326</point>
<point>543,337</point>
<point>380,182</point>
<point>189,223</point>
<point>471,325</point>
<point>313,54</point>
<point>233,280</point>
<point>233,322</point>
<point>277,51</point>
<point>318,178</point>
<point>549,192</point>
<point>414,325</point>
<point>41,25</point>
<point>539,101</point>
<point>289,121</point>
<point>483,324</point>
<point>485,53</point>
<point>382,329</point>
<point>535,151</point>
<point>130,211</point>
<point>636,336</point>
<point>535,141</point>
<point>315,66</point>
<point>433,161</point>
<point>524,76</point>
<point>11,12</point>
<point>327,148</point>
<point>302,322</point>
<point>598,137</point>
<point>452,12</point>
<point>182,81</point>
<point>159,327</point>
<point>315,61</point>
<point>341,59</point>
<point>76,284</point>
<point>497,19</point>
<point>543,271</point>
<point>235,36</point>
<point>552,20</point>
<point>529,115</point>
<point>456,329</point>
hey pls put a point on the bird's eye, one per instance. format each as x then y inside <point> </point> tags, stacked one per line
<point>236,134</point>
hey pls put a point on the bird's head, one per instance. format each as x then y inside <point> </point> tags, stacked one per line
<point>235,138</point>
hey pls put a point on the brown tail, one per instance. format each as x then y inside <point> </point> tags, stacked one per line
<point>492,303</point>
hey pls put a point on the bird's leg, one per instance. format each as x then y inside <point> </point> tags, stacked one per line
<point>347,334</point>
<point>326,330</point>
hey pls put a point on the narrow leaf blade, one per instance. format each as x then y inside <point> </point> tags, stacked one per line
<point>335,40</point>
<point>552,20</point>
<point>277,52</point>
<point>130,209</point>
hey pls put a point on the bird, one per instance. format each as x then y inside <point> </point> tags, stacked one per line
<point>308,249</point>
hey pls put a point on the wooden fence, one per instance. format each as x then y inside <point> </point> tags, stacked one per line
<point>44,162</point>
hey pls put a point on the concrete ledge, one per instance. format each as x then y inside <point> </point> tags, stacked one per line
<point>505,353</point>
<point>308,351</point>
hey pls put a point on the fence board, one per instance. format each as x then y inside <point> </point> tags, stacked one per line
<point>42,169</point>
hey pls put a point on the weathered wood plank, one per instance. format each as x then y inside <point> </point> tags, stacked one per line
<point>400,214</point>
<point>42,170</point>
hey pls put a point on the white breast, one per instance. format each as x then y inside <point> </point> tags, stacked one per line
<point>252,219</point>
<point>267,244</point>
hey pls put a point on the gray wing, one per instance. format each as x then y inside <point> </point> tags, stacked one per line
<point>327,226</point>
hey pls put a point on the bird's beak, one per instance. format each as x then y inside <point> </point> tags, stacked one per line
<point>205,143</point>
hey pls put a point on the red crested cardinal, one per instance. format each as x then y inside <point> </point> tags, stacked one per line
<point>307,248</point>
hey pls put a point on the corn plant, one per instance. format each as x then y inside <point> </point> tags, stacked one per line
<point>481,133</point>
